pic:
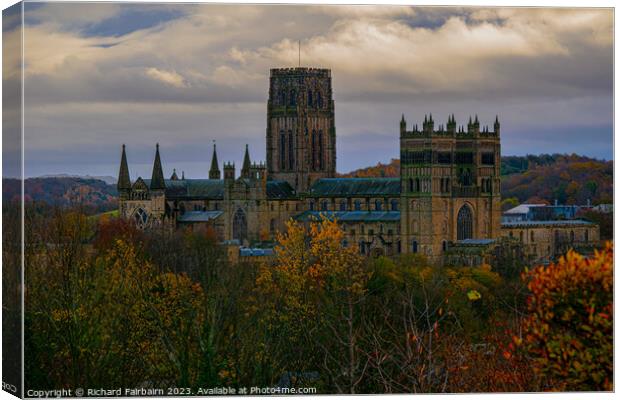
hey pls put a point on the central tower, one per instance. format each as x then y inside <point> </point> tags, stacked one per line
<point>301,133</point>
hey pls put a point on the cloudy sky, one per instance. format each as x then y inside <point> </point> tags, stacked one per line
<point>99,75</point>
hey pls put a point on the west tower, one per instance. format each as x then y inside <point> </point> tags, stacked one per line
<point>450,184</point>
<point>301,133</point>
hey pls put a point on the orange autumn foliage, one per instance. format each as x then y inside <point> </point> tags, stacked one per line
<point>569,330</point>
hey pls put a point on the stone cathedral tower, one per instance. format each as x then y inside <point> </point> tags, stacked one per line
<point>450,184</point>
<point>301,133</point>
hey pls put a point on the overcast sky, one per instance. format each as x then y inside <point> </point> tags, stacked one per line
<point>99,75</point>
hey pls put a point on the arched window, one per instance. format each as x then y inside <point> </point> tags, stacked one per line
<point>572,236</point>
<point>319,100</point>
<point>343,205</point>
<point>417,185</point>
<point>281,98</point>
<point>309,98</point>
<point>320,150</point>
<point>532,236</point>
<point>324,205</point>
<point>444,245</point>
<point>521,236</point>
<point>240,226</point>
<point>464,223</point>
<point>314,151</point>
<point>411,184</point>
<point>586,235</point>
<point>141,218</point>
<point>312,206</point>
<point>357,205</point>
<point>282,150</point>
<point>362,247</point>
<point>292,100</point>
<point>398,249</point>
<point>414,246</point>
<point>394,205</point>
<point>272,226</point>
<point>378,204</point>
<point>291,151</point>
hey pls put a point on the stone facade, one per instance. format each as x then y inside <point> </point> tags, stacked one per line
<point>448,192</point>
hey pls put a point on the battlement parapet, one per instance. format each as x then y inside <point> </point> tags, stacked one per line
<point>303,71</point>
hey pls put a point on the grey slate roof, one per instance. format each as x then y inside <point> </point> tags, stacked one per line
<point>351,187</point>
<point>245,252</point>
<point>476,242</point>
<point>199,216</point>
<point>533,224</point>
<point>350,216</point>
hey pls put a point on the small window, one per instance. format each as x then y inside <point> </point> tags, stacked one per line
<point>358,205</point>
<point>444,245</point>
<point>398,249</point>
<point>488,158</point>
<point>414,246</point>
<point>532,236</point>
<point>378,205</point>
<point>394,205</point>
<point>352,233</point>
<point>312,206</point>
<point>272,226</point>
<point>292,98</point>
<point>586,235</point>
<point>343,205</point>
<point>362,247</point>
<point>309,98</point>
<point>371,232</point>
<point>572,236</point>
<point>324,205</point>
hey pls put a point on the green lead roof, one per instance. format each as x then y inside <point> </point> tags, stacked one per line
<point>355,187</point>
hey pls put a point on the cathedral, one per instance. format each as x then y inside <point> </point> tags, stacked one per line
<point>447,195</point>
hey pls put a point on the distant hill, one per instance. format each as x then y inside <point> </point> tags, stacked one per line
<point>110,180</point>
<point>571,179</point>
<point>94,194</point>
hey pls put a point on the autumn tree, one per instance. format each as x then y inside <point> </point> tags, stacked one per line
<point>569,330</point>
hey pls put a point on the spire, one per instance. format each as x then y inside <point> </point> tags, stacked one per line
<point>157,179</point>
<point>476,120</point>
<point>174,176</point>
<point>183,175</point>
<point>214,172</point>
<point>124,183</point>
<point>245,169</point>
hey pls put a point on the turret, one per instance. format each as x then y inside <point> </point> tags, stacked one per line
<point>258,172</point>
<point>174,176</point>
<point>245,169</point>
<point>157,179</point>
<point>229,171</point>
<point>403,125</point>
<point>476,125</point>
<point>214,172</point>
<point>496,125</point>
<point>124,183</point>
<point>451,126</point>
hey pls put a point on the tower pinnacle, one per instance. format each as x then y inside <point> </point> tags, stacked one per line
<point>124,183</point>
<point>214,172</point>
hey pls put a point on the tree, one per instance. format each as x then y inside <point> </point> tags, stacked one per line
<point>569,329</point>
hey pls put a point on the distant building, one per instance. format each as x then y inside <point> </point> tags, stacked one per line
<point>448,193</point>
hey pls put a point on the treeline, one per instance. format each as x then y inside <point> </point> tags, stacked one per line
<point>545,178</point>
<point>93,195</point>
<point>109,306</point>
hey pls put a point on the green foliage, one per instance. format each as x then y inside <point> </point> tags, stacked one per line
<point>569,329</point>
